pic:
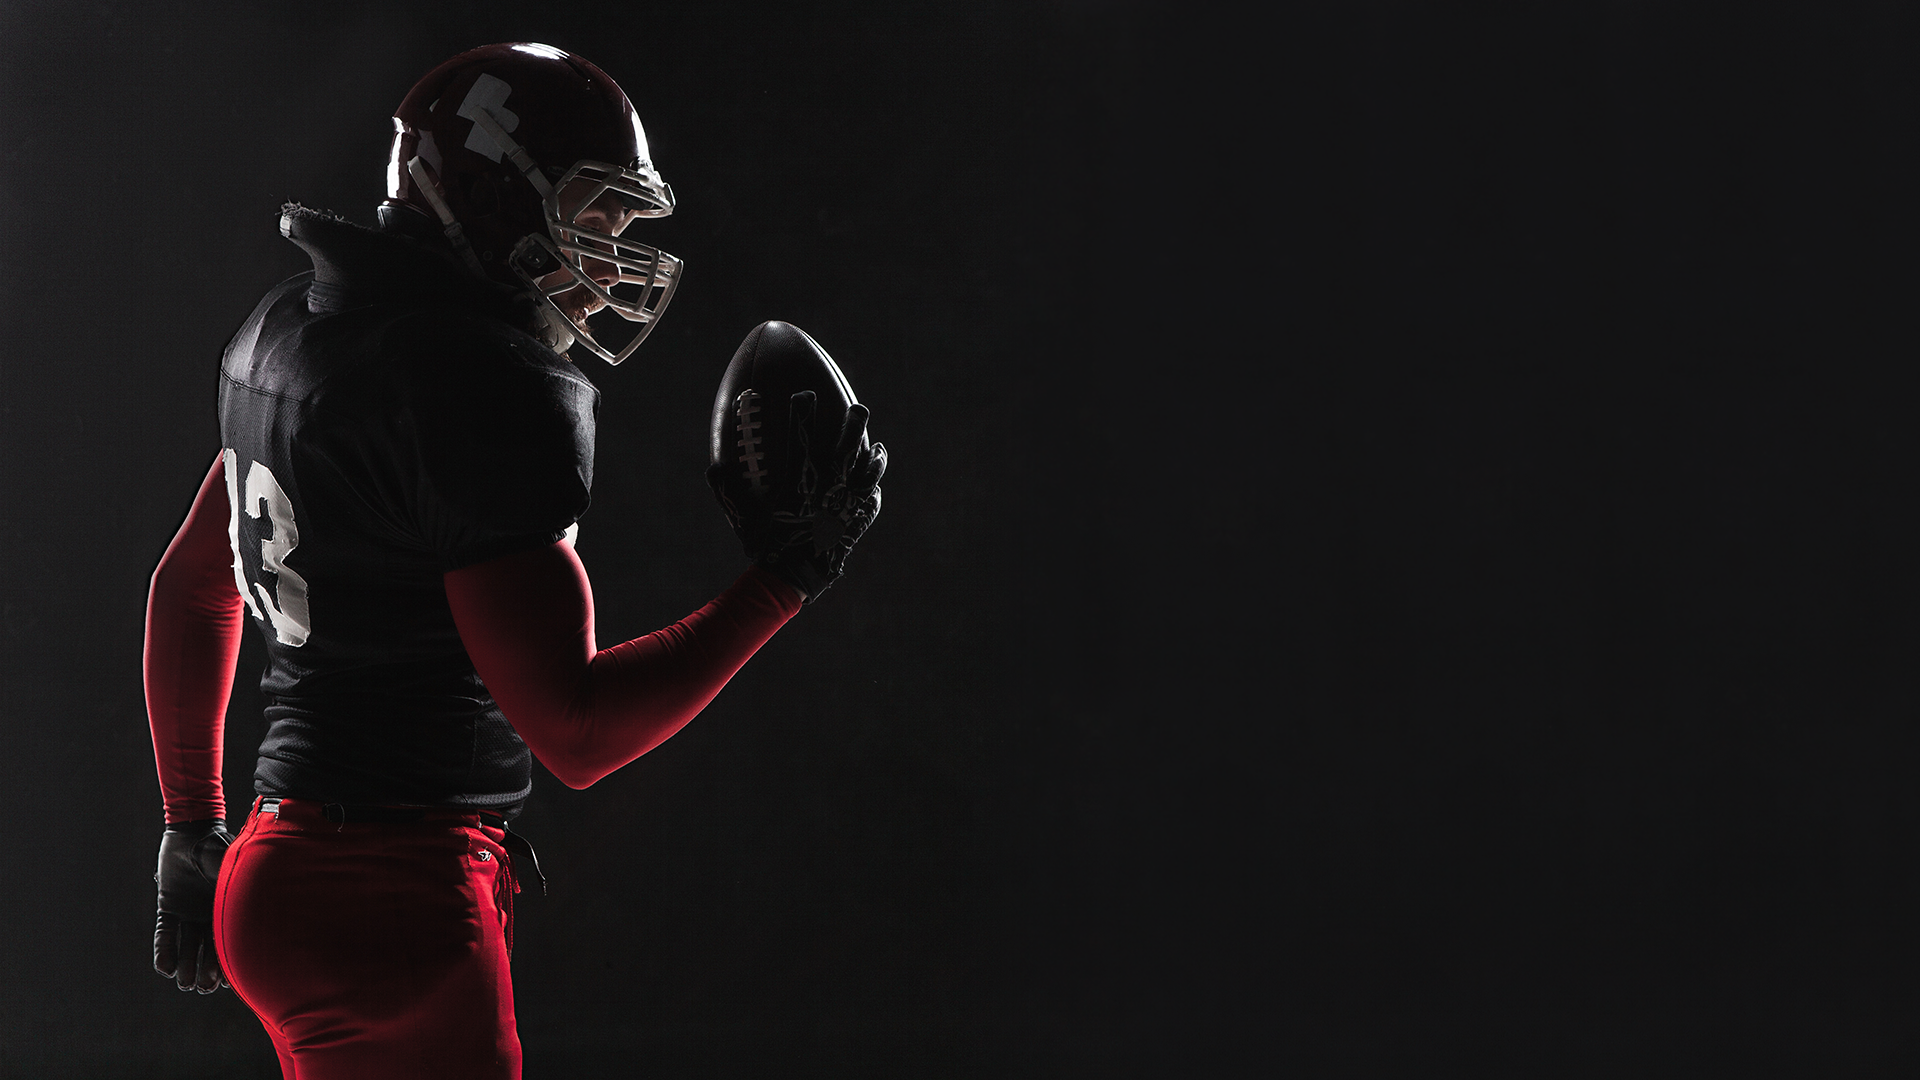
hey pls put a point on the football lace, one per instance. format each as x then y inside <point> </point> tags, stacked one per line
<point>746,410</point>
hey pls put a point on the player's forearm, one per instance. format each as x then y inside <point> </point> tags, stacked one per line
<point>193,630</point>
<point>527,622</point>
<point>640,692</point>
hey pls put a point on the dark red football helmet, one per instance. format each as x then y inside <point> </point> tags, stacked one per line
<point>533,161</point>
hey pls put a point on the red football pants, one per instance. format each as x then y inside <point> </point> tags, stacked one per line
<point>372,950</point>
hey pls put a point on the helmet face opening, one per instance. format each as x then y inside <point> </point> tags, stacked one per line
<point>637,189</point>
<point>583,267</point>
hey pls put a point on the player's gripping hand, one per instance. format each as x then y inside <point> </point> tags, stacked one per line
<point>190,855</point>
<point>804,533</point>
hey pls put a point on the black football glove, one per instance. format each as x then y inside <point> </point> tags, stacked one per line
<point>190,855</point>
<point>804,535</point>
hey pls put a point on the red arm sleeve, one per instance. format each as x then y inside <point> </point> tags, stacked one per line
<point>193,640</point>
<point>527,622</point>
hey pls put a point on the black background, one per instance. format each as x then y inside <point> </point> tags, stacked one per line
<point>1398,558</point>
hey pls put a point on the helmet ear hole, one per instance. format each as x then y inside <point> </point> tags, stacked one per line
<point>483,198</point>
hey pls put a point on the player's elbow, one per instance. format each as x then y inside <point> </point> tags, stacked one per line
<point>578,780</point>
<point>201,585</point>
<point>572,771</point>
<point>169,590</point>
<point>164,579</point>
<point>561,738</point>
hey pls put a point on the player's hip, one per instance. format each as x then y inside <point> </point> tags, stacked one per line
<point>347,936</point>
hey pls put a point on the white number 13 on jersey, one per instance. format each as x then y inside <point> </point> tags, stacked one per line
<point>289,615</point>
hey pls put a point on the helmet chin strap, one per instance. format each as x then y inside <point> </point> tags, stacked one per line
<point>455,234</point>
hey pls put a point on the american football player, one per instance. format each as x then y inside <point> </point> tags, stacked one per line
<point>406,449</point>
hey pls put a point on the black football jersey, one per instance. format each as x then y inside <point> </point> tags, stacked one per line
<point>385,419</point>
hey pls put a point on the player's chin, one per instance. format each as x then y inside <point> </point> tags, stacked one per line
<point>578,303</point>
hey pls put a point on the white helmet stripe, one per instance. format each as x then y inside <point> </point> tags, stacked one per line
<point>489,97</point>
<point>482,119</point>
